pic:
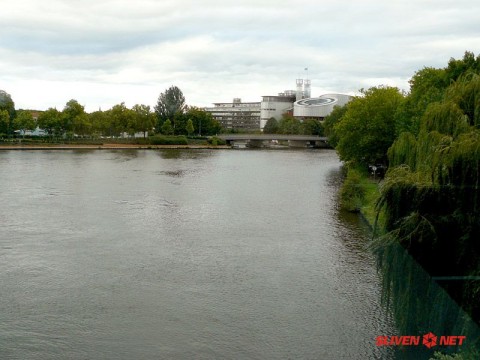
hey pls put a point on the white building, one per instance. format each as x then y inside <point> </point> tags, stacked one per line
<point>320,107</point>
<point>252,116</point>
<point>237,115</point>
<point>276,106</point>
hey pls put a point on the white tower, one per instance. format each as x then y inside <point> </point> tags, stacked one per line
<point>306,89</point>
<point>299,94</point>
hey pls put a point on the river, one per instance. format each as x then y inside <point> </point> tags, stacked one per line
<point>181,254</point>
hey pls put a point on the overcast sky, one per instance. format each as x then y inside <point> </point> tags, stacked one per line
<point>104,52</point>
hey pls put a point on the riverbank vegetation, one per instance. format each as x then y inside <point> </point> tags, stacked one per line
<point>429,199</point>
<point>170,119</point>
<point>292,126</point>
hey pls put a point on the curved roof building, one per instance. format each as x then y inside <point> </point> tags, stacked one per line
<point>318,107</point>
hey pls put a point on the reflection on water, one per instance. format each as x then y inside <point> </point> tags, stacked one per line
<point>420,306</point>
<point>185,154</point>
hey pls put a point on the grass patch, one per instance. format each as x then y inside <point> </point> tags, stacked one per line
<point>214,140</point>
<point>360,193</point>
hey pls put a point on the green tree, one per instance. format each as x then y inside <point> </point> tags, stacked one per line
<point>203,121</point>
<point>51,122</point>
<point>271,126</point>
<point>330,121</point>
<point>426,87</point>
<point>121,119</point>
<point>367,129</point>
<point>312,127</point>
<point>431,193</point>
<point>6,103</point>
<point>459,67</point>
<point>289,125</point>
<point>190,128</point>
<point>4,122</point>
<point>167,128</point>
<point>74,118</point>
<point>143,119</point>
<point>24,121</point>
<point>179,123</point>
<point>169,103</point>
<point>100,122</point>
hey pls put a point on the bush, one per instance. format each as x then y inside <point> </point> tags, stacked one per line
<point>214,140</point>
<point>168,140</point>
<point>352,192</point>
<point>440,356</point>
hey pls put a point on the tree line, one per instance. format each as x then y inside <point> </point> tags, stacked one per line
<point>170,116</point>
<point>429,138</point>
<point>292,126</point>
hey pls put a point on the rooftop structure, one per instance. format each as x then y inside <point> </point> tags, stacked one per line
<point>319,107</point>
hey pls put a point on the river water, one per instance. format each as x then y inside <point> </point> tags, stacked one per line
<point>182,254</point>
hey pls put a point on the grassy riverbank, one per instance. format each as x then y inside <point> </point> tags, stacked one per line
<point>359,193</point>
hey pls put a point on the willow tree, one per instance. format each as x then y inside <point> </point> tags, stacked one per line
<point>431,194</point>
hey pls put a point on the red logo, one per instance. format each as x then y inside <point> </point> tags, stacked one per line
<point>430,340</point>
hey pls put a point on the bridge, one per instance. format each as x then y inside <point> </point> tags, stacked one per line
<point>258,140</point>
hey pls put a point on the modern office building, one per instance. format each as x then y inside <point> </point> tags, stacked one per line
<point>276,106</point>
<point>319,107</point>
<point>237,115</point>
<point>252,116</point>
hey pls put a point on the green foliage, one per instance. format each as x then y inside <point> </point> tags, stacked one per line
<point>367,129</point>
<point>465,93</point>
<point>203,122</point>
<point>189,127</point>
<point>312,127</point>
<point>4,122</point>
<point>457,68</point>
<point>6,103</point>
<point>403,151</point>
<point>142,120</point>
<point>100,123</point>
<point>75,120</point>
<point>51,122</point>
<point>271,126</point>
<point>24,121</point>
<point>168,140</point>
<point>330,122</point>
<point>214,140</point>
<point>289,125</point>
<point>446,118</point>
<point>427,86</point>
<point>431,194</point>
<point>167,128</point>
<point>121,119</point>
<point>292,126</point>
<point>169,103</point>
<point>439,356</point>
<point>352,192</point>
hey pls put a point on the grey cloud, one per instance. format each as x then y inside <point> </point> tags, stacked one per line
<point>222,47</point>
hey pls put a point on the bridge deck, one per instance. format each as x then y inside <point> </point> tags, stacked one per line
<point>233,137</point>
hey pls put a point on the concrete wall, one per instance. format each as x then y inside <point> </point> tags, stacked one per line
<point>274,106</point>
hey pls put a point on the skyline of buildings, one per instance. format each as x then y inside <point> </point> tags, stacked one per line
<point>253,116</point>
